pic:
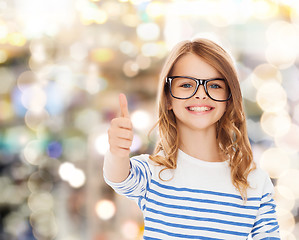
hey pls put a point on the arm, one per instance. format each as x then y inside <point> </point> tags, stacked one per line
<point>129,177</point>
<point>136,184</point>
<point>120,134</point>
<point>266,226</point>
<point>116,168</point>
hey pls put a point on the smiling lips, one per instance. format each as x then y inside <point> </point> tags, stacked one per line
<point>199,108</point>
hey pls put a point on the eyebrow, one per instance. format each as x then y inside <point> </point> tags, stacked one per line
<point>213,78</point>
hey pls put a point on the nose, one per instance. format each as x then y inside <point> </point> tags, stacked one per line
<point>200,93</point>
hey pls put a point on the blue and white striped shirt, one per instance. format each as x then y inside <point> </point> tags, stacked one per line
<point>199,201</point>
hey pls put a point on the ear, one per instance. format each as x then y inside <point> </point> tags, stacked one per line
<point>169,105</point>
<point>168,102</point>
<point>227,104</point>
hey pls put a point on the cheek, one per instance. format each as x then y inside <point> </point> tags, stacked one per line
<point>223,109</point>
<point>175,105</point>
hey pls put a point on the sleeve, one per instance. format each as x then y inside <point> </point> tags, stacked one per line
<point>266,226</point>
<point>136,184</point>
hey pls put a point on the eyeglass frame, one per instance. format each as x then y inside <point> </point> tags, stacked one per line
<point>198,83</point>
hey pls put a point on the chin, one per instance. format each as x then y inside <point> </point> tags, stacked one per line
<point>201,127</point>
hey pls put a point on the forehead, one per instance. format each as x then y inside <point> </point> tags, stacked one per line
<point>194,66</point>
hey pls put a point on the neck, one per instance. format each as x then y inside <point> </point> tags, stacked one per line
<point>201,144</point>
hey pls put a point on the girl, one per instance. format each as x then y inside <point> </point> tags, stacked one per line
<point>201,182</point>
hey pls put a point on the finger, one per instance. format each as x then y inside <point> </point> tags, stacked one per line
<point>120,143</point>
<point>124,112</point>
<point>121,133</point>
<point>121,123</point>
<point>125,134</point>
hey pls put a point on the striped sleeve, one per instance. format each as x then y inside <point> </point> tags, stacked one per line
<point>266,226</point>
<point>136,184</point>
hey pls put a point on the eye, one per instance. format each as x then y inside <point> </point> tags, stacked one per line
<point>186,85</point>
<point>215,85</point>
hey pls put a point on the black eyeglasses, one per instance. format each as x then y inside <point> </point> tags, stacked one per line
<point>182,87</point>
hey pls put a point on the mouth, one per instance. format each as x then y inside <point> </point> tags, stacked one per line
<point>199,109</point>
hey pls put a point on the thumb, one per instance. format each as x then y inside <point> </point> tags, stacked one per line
<point>123,103</point>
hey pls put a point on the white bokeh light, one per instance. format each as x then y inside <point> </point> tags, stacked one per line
<point>148,31</point>
<point>74,176</point>
<point>34,98</point>
<point>105,209</point>
<point>77,178</point>
<point>136,143</point>
<point>102,144</point>
<point>276,124</point>
<point>33,152</point>
<point>141,119</point>
<point>130,229</point>
<point>275,161</point>
<point>65,170</point>
<point>271,97</point>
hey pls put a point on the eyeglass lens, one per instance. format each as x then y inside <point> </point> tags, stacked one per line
<point>185,88</point>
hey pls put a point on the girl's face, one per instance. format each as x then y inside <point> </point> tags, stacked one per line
<point>198,112</point>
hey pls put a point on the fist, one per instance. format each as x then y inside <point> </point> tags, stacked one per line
<point>120,133</point>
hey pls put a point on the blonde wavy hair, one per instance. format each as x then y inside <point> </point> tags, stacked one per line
<point>232,135</point>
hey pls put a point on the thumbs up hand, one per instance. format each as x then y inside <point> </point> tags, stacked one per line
<point>120,133</point>
<point>123,103</point>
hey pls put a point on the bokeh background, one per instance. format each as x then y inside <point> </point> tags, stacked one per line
<point>63,64</point>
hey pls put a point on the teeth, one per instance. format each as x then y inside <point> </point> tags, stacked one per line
<point>199,109</point>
